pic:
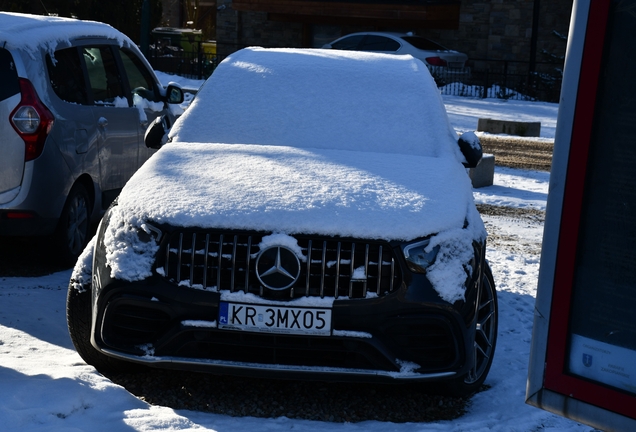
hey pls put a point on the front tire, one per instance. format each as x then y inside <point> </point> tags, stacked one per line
<point>484,343</point>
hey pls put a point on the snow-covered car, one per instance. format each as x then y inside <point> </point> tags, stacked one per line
<point>75,100</point>
<point>309,215</point>
<point>436,57</point>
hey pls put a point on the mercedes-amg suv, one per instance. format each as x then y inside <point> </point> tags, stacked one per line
<point>309,215</point>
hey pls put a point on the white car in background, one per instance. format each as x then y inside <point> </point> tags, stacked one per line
<point>437,57</point>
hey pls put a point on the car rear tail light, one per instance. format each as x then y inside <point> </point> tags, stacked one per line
<point>19,215</point>
<point>436,61</point>
<point>31,120</point>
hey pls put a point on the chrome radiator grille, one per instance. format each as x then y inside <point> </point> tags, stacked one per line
<point>330,267</point>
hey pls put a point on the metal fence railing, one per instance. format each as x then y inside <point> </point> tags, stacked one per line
<point>483,79</point>
<point>503,79</point>
<point>195,65</point>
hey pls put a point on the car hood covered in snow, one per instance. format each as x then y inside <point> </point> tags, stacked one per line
<point>273,188</point>
<point>290,190</point>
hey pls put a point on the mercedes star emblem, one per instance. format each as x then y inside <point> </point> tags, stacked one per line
<point>277,268</point>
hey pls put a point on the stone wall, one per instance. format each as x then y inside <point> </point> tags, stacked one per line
<point>235,30</point>
<point>502,30</point>
<point>496,29</point>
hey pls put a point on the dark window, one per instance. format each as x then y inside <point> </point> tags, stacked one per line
<point>424,44</point>
<point>103,75</point>
<point>348,43</point>
<point>67,76</point>
<point>140,80</point>
<point>379,43</point>
<point>8,76</point>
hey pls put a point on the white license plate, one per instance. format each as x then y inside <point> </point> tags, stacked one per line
<point>274,319</point>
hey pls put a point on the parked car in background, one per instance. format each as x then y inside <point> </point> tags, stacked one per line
<point>75,100</point>
<point>437,57</point>
<point>310,216</point>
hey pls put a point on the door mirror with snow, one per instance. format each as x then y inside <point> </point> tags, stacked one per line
<point>470,147</point>
<point>174,94</point>
<point>155,136</point>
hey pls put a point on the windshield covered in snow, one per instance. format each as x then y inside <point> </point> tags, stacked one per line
<point>321,99</point>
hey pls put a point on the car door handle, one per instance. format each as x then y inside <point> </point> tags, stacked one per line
<point>102,121</point>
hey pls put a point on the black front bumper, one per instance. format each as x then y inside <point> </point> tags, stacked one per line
<point>414,335</point>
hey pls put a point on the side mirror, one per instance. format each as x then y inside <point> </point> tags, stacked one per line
<point>174,94</point>
<point>155,136</point>
<point>471,149</point>
<point>327,46</point>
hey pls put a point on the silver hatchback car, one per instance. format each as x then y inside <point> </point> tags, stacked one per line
<point>75,100</point>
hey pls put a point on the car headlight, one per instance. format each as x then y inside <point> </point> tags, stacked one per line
<point>418,259</point>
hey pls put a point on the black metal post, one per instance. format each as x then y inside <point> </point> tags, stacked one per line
<point>200,60</point>
<point>535,35</point>
<point>145,27</point>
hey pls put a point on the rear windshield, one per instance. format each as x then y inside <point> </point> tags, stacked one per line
<point>423,43</point>
<point>8,76</point>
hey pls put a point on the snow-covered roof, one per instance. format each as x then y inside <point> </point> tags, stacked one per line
<point>314,98</point>
<point>31,32</point>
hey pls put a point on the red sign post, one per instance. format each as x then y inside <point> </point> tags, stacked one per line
<point>583,359</point>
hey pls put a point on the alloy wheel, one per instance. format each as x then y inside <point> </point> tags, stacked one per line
<point>485,332</point>
<point>77,224</point>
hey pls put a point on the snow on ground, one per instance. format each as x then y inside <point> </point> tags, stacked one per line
<point>510,189</point>
<point>464,112</point>
<point>44,384</point>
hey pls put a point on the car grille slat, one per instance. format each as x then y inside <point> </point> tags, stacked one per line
<point>233,273</point>
<point>219,262</point>
<point>337,268</point>
<point>366,269</point>
<point>392,280</point>
<point>205,259</point>
<point>247,264</point>
<point>352,268</point>
<point>378,287</point>
<point>322,273</point>
<point>192,254</point>
<point>309,249</point>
